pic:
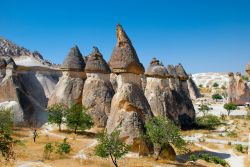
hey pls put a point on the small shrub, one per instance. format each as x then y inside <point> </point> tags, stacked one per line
<point>232,134</point>
<point>48,149</point>
<point>213,159</point>
<point>239,148</point>
<point>63,148</point>
<point>193,157</point>
<point>209,122</point>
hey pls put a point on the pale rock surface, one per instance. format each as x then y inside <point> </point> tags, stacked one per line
<point>15,108</point>
<point>238,90</point>
<point>193,89</point>
<point>97,90</point>
<point>129,107</point>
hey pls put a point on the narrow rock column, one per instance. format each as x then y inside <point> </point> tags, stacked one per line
<point>129,107</point>
<point>97,91</point>
<point>69,88</point>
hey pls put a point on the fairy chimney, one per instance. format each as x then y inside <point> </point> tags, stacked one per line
<point>129,108</point>
<point>97,90</point>
<point>69,88</point>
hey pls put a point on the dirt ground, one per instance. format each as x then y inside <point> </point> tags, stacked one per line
<point>30,154</point>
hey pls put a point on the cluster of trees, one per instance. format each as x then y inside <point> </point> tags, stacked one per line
<point>75,117</point>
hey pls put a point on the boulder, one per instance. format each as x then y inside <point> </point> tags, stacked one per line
<point>97,91</point>
<point>238,90</point>
<point>129,108</point>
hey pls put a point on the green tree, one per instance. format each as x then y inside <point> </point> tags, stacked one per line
<point>230,107</point>
<point>6,120</point>
<point>56,114</point>
<point>77,118</point>
<point>216,97</point>
<point>215,85</point>
<point>209,122</point>
<point>6,140</point>
<point>110,145</point>
<point>204,109</point>
<point>163,132</point>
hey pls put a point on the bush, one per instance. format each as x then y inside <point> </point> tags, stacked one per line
<point>63,148</point>
<point>216,97</point>
<point>193,157</point>
<point>48,149</point>
<point>232,134</point>
<point>239,148</point>
<point>215,85</point>
<point>213,159</point>
<point>209,122</point>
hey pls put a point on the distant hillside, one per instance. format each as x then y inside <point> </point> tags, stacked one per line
<point>21,55</point>
<point>208,79</point>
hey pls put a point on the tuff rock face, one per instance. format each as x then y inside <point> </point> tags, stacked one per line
<point>157,89</point>
<point>182,110</point>
<point>248,69</point>
<point>97,91</point>
<point>193,89</point>
<point>238,90</point>
<point>17,90</point>
<point>129,107</point>
<point>69,88</point>
<point>124,57</point>
<point>167,93</point>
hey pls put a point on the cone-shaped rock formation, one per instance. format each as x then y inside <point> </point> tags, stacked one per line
<point>97,91</point>
<point>69,88</point>
<point>124,58</point>
<point>129,107</point>
<point>157,89</point>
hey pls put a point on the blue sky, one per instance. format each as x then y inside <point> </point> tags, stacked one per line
<point>203,35</point>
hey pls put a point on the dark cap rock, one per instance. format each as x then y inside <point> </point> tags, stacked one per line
<point>156,69</point>
<point>96,63</point>
<point>171,71</point>
<point>10,63</point>
<point>2,63</point>
<point>230,74</point>
<point>124,58</point>
<point>181,72</point>
<point>74,61</point>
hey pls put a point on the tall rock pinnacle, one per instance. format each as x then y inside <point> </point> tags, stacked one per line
<point>74,61</point>
<point>124,58</point>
